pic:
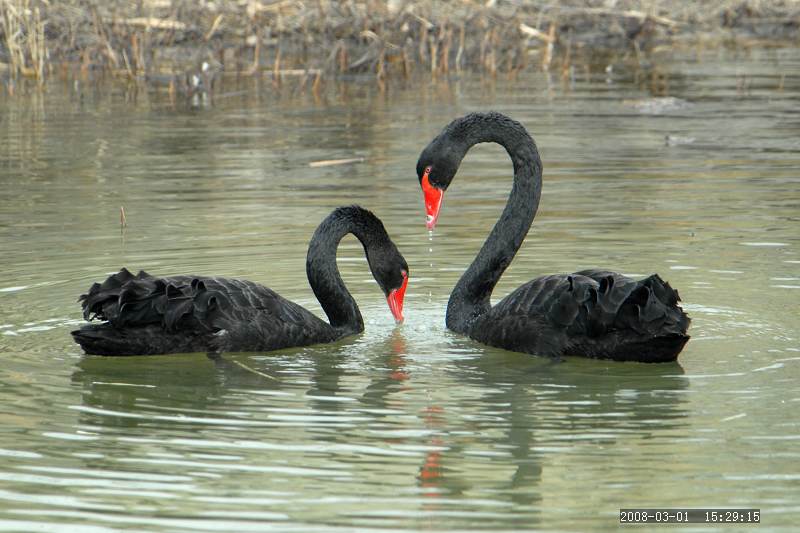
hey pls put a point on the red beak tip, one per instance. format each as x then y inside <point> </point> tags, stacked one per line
<point>433,201</point>
<point>396,307</point>
<point>395,300</point>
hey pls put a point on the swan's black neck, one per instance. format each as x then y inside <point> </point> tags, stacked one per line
<point>471,296</point>
<point>323,274</point>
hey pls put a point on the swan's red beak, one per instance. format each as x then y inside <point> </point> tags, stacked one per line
<point>433,200</point>
<point>395,299</point>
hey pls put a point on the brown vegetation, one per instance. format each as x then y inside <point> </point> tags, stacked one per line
<point>151,38</point>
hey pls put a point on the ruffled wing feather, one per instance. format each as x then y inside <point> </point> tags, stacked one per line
<point>194,312</point>
<point>594,313</point>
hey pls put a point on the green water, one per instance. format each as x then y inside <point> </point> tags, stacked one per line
<point>404,427</point>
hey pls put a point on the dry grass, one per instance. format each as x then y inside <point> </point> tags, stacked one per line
<point>23,32</point>
<point>384,38</point>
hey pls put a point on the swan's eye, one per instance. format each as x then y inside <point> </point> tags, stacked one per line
<point>404,273</point>
<point>428,169</point>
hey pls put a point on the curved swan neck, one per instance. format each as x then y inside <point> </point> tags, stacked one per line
<point>323,273</point>
<point>471,296</point>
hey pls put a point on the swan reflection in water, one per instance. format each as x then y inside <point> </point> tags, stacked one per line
<point>382,412</point>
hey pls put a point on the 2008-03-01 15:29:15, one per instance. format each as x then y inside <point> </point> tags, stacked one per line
<point>689,516</point>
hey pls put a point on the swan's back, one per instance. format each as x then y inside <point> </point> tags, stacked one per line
<point>145,314</point>
<point>593,313</point>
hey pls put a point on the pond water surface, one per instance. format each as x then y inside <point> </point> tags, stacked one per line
<point>691,170</point>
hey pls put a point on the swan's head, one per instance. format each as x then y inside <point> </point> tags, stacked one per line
<point>436,168</point>
<point>391,272</point>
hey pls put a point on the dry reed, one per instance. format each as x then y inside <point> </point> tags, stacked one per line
<point>23,31</point>
<point>385,38</point>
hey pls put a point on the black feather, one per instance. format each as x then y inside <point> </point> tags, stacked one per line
<point>144,314</point>
<point>592,313</point>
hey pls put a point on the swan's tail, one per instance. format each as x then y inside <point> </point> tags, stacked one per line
<point>630,320</point>
<point>143,314</point>
<point>660,349</point>
<point>652,311</point>
<point>105,339</point>
<point>648,306</point>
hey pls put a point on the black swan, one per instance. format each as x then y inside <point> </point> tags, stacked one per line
<point>592,313</point>
<point>144,314</point>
